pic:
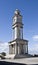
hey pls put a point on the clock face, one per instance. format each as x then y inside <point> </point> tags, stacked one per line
<point>14,20</point>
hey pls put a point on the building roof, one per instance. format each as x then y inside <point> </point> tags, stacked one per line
<point>18,40</point>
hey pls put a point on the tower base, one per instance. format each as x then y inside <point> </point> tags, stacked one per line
<point>13,56</point>
<point>22,56</point>
<point>18,47</point>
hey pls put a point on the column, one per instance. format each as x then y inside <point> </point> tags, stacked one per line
<point>26,48</point>
<point>10,49</point>
<point>16,49</point>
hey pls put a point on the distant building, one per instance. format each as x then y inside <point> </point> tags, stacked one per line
<point>18,45</point>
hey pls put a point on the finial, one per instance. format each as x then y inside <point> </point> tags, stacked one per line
<point>17,12</point>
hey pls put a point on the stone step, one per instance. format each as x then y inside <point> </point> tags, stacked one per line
<point>23,56</point>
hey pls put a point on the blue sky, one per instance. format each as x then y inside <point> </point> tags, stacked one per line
<point>29,11</point>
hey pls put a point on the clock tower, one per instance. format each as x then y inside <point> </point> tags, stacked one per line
<point>18,46</point>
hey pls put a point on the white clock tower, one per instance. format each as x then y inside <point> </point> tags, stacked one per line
<point>18,45</point>
<point>17,25</point>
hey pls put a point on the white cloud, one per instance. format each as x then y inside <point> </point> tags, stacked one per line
<point>35,37</point>
<point>33,49</point>
<point>4,47</point>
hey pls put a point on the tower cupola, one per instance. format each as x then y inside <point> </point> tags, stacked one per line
<point>17,17</point>
<point>17,12</point>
